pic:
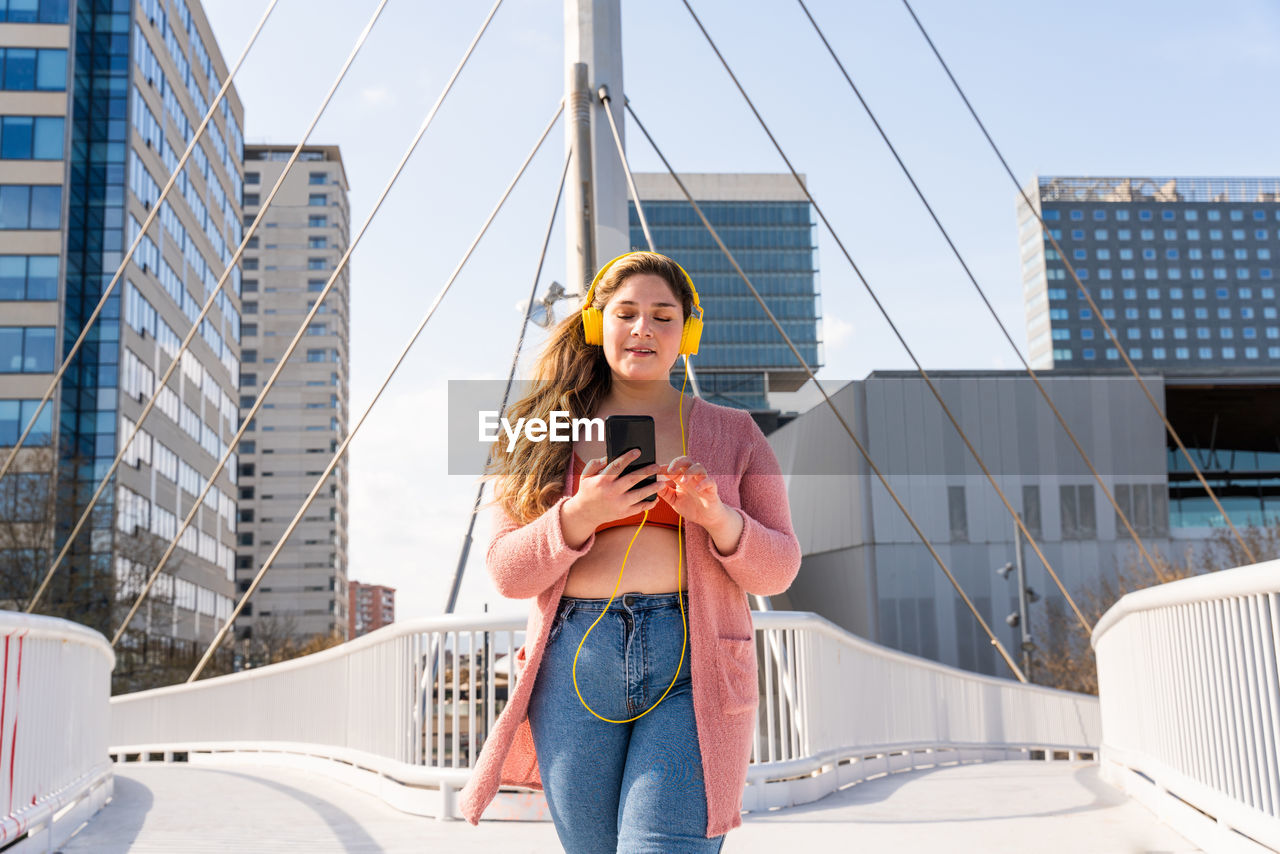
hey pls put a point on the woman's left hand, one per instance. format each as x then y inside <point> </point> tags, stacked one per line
<point>691,492</point>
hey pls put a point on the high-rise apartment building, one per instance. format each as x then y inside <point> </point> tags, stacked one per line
<point>289,260</point>
<point>1182,268</point>
<point>97,101</point>
<point>765,221</point>
<point>372,607</point>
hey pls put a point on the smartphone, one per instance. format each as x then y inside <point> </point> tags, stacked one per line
<point>624,432</point>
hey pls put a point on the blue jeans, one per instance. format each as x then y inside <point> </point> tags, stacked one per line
<point>620,787</point>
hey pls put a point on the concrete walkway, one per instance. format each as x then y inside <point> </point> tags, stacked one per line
<point>1046,808</point>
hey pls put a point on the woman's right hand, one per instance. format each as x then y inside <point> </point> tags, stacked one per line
<point>603,490</point>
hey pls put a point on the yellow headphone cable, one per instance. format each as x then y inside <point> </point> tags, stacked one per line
<point>679,555</point>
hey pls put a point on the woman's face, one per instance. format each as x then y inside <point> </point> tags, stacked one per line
<point>643,322</point>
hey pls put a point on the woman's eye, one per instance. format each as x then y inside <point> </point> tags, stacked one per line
<point>629,316</point>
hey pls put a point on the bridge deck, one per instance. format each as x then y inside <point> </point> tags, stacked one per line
<point>992,807</point>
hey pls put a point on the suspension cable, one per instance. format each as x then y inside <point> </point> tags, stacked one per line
<point>1017,519</point>
<point>968,272</point>
<point>319,301</point>
<point>151,216</point>
<point>852,436</point>
<point>253,227</point>
<point>506,392</point>
<point>1083,290</point>
<point>603,94</point>
<point>342,448</point>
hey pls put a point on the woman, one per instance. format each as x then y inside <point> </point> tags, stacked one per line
<point>639,735</point>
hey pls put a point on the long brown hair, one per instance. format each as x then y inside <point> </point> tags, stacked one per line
<point>572,376</point>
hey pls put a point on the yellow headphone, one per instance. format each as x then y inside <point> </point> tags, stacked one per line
<point>593,318</point>
<point>593,328</point>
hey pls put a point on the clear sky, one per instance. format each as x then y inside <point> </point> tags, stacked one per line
<point>1092,87</point>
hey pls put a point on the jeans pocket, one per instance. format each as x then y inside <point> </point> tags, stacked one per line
<point>738,680</point>
<point>557,623</point>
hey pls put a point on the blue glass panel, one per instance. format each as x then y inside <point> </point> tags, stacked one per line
<point>15,137</point>
<point>22,11</point>
<point>53,11</point>
<point>15,203</point>
<point>20,69</point>
<point>10,411</point>
<point>51,71</point>
<point>42,431</point>
<point>46,207</point>
<point>13,277</point>
<point>49,133</point>
<point>10,349</point>
<point>38,355</point>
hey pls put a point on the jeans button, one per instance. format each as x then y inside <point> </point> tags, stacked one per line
<point>628,601</point>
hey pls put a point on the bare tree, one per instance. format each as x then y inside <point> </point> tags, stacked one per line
<point>274,638</point>
<point>1066,659</point>
<point>37,511</point>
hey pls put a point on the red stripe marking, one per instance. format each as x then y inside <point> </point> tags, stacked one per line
<point>4,692</point>
<point>13,743</point>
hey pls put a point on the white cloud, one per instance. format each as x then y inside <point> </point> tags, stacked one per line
<point>377,96</point>
<point>835,331</point>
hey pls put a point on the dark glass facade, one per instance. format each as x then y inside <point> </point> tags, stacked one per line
<point>773,242</point>
<point>95,236</point>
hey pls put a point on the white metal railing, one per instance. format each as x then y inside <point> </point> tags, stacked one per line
<point>833,708</point>
<point>1187,673</point>
<point>55,769</point>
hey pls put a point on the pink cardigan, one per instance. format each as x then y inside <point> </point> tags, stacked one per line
<point>534,560</point>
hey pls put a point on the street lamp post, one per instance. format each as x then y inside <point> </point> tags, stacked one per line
<point>1018,619</point>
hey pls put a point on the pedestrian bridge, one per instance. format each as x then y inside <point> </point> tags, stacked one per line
<point>363,747</point>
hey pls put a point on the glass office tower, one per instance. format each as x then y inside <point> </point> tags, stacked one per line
<point>765,221</point>
<point>98,99</point>
<point>1182,268</point>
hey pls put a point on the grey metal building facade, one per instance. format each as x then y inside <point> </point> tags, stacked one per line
<point>864,567</point>
<point>1184,269</point>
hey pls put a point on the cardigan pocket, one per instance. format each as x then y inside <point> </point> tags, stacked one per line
<point>738,679</point>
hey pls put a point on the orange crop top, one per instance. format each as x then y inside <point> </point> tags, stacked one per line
<point>661,515</point>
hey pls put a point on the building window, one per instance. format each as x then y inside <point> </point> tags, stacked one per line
<point>251,199</point>
<point>314,221</point>
<point>31,69</point>
<point>31,137</point>
<point>26,207</point>
<point>28,277</point>
<point>958,514</point>
<point>26,349</point>
<point>318,242</point>
<point>14,417</point>
<point>317,200</point>
<point>315,264</point>
<point>1078,515</point>
<point>318,178</point>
